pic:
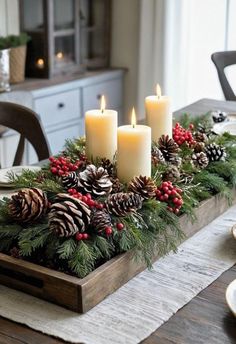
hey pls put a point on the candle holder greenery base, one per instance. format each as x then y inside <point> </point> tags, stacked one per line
<point>75,225</point>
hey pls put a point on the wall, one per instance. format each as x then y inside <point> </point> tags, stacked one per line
<point>125,48</point>
<point>9,17</point>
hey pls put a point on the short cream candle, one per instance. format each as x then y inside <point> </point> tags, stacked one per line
<point>101,132</point>
<point>133,151</point>
<point>158,115</point>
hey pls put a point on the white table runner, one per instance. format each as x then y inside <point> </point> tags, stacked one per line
<point>142,305</point>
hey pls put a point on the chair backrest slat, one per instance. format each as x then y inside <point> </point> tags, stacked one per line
<point>27,123</point>
<point>221,60</point>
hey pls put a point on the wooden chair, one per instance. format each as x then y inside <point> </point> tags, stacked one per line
<point>222,60</point>
<point>25,122</point>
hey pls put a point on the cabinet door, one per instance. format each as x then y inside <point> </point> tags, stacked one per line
<point>56,140</point>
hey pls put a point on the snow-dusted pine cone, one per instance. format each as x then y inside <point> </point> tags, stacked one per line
<point>143,186</point>
<point>200,160</point>
<point>171,174</point>
<point>28,205</point>
<point>95,181</point>
<point>218,116</point>
<point>70,181</point>
<point>68,215</point>
<point>100,220</point>
<point>168,147</point>
<point>176,161</point>
<point>122,203</point>
<point>215,152</point>
<point>157,156</point>
<point>200,137</point>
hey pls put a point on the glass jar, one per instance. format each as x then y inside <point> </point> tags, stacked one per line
<point>4,70</point>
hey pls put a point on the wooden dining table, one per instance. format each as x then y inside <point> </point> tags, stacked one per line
<point>205,319</point>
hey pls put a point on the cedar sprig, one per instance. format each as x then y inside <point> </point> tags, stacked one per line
<point>83,260</point>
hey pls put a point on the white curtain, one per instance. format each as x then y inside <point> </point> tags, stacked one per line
<point>177,38</point>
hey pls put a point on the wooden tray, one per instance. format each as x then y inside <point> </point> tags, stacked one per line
<point>80,295</point>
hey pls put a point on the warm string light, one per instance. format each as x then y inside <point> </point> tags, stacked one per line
<point>40,63</point>
<point>59,55</point>
<point>133,118</point>
<point>103,104</point>
<point>158,91</point>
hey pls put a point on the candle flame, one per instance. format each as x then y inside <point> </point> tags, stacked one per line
<point>133,118</point>
<point>158,90</point>
<point>103,103</point>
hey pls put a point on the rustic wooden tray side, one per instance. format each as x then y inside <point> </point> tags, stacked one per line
<point>80,295</point>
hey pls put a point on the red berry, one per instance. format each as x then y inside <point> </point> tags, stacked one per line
<point>88,196</point>
<point>100,206</point>
<point>165,197</point>
<point>175,200</point>
<point>176,211</point>
<point>119,226</point>
<point>61,172</point>
<point>90,202</point>
<point>164,184</point>
<point>166,189</point>
<point>54,170</point>
<point>173,192</point>
<point>108,231</point>
<point>85,236</point>
<point>191,126</point>
<point>78,236</point>
<point>84,199</point>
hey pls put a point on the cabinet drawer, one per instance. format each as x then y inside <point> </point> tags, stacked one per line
<point>112,90</point>
<point>57,108</point>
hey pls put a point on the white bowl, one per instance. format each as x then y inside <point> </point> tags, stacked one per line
<point>221,128</point>
<point>230,296</point>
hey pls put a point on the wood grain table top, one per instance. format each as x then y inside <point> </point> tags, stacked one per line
<point>206,319</point>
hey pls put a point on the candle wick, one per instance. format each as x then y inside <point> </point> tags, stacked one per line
<point>133,126</point>
<point>102,111</point>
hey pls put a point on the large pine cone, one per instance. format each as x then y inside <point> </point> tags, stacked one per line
<point>143,186</point>
<point>215,152</point>
<point>200,160</point>
<point>168,147</point>
<point>121,203</point>
<point>95,181</point>
<point>70,181</point>
<point>117,186</point>
<point>200,137</point>
<point>199,147</point>
<point>28,205</point>
<point>68,216</point>
<point>100,220</point>
<point>171,174</point>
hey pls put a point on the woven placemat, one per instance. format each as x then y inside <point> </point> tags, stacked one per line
<point>142,305</point>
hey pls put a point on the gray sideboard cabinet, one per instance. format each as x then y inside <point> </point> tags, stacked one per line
<point>61,104</point>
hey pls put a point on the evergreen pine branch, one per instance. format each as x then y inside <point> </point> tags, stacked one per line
<point>83,259</point>
<point>224,169</point>
<point>102,247</point>
<point>33,238</point>
<point>67,248</point>
<point>4,213</point>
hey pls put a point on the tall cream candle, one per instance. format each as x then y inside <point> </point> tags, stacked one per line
<point>133,151</point>
<point>158,115</point>
<point>101,132</point>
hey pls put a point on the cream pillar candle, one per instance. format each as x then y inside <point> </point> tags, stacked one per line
<point>133,151</point>
<point>101,132</point>
<point>158,115</point>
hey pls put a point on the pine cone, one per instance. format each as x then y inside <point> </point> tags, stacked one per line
<point>117,186</point>
<point>168,147</point>
<point>70,181</point>
<point>200,137</point>
<point>121,203</point>
<point>176,161</point>
<point>215,152</point>
<point>108,166</point>
<point>186,178</point>
<point>68,216</point>
<point>218,116</point>
<point>157,156</point>
<point>200,160</point>
<point>172,174</point>
<point>199,147</point>
<point>100,220</point>
<point>28,205</point>
<point>95,181</point>
<point>143,186</point>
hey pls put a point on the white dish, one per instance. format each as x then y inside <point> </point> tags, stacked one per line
<point>231,297</point>
<point>233,231</point>
<point>4,180</point>
<point>221,128</point>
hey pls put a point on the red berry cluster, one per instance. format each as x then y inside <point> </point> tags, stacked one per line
<point>81,236</point>
<point>62,166</point>
<point>170,194</point>
<point>86,199</point>
<point>108,230</point>
<point>181,135</point>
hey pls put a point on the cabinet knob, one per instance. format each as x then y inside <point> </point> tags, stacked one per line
<point>61,105</point>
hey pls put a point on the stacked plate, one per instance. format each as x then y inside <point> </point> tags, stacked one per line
<point>17,170</point>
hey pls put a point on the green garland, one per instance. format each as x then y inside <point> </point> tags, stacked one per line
<point>150,231</point>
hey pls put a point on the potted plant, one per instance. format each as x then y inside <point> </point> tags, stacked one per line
<point>17,46</point>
